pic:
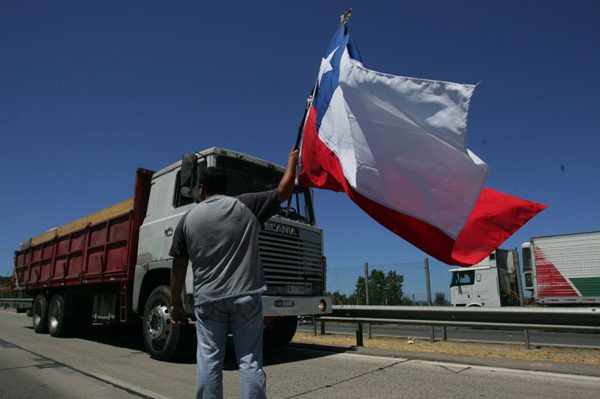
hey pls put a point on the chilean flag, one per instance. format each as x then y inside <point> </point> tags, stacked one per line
<point>397,147</point>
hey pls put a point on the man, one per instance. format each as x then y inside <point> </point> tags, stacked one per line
<point>220,237</point>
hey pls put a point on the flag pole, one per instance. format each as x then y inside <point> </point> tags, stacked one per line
<point>309,101</point>
<point>343,21</point>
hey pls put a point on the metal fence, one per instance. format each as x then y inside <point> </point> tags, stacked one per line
<point>543,320</point>
<point>428,285</point>
<point>20,304</point>
<point>345,283</point>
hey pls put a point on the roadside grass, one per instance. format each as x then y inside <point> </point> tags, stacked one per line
<point>503,351</point>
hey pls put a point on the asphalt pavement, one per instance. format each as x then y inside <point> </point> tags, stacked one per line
<point>110,362</point>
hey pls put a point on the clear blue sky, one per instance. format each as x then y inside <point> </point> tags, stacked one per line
<point>91,90</point>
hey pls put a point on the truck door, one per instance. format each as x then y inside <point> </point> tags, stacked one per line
<point>486,288</point>
<point>181,204</point>
<point>461,287</point>
<point>166,207</point>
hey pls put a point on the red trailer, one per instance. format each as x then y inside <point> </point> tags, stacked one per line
<point>97,251</point>
<point>113,266</point>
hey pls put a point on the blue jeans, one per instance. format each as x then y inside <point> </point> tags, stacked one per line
<point>243,316</point>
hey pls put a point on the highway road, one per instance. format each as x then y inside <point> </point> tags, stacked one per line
<point>110,362</point>
<point>468,334</point>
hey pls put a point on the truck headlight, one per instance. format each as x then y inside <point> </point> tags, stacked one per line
<point>322,305</point>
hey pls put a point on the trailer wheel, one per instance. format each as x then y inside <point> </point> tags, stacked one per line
<point>280,332</point>
<point>39,314</point>
<point>164,340</point>
<point>57,325</point>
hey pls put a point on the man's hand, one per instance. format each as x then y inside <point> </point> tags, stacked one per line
<point>178,271</point>
<point>286,184</point>
<point>178,315</point>
<point>293,158</point>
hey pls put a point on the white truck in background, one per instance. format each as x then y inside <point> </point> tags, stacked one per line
<point>493,282</point>
<point>563,269</point>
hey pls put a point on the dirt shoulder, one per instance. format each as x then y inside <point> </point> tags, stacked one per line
<point>405,347</point>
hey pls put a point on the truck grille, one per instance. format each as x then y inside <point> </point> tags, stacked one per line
<point>292,266</point>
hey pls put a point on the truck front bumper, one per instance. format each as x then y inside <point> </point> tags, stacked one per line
<point>296,305</point>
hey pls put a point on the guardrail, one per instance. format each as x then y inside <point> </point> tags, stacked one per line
<point>509,318</point>
<point>517,318</point>
<point>21,304</point>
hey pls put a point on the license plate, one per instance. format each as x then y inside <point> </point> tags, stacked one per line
<point>296,289</point>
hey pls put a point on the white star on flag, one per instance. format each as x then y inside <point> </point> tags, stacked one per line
<point>326,65</point>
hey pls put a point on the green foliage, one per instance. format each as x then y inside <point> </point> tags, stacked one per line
<point>4,281</point>
<point>5,291</point>
<point>440,299</point>
<point>338,298</point>
<point>384,289</point>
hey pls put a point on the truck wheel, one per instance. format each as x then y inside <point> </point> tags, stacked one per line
<point>164,340</point>
<point>280,332</point>
<point>39,314</point>
<point>56,316</point>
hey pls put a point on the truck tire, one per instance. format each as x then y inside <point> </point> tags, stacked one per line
<point>57,324</point>
<point>39,314</point>
<point>164,340</point>
<point>280,332</point>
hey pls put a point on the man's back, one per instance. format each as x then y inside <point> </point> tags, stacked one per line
<point>220,236</point>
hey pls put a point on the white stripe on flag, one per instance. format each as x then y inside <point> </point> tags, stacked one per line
<point>401,142</point>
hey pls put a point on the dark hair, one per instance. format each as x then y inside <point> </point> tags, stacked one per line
<point>214,180</point>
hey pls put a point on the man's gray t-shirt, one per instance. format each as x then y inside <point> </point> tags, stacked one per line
<point>220,237</point>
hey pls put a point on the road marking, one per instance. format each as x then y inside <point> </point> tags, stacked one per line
<point>510,371</point>
<point>132,389</point>
<point>454,366</point>
<point>352,378</point>
<point>385,358</point>
<point>341,354</point>
<point>128,387</point>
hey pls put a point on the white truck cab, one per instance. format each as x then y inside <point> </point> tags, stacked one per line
<point>290,245</point>
<point>493,282</point>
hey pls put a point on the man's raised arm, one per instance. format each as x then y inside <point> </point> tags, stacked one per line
<point>286,184</point>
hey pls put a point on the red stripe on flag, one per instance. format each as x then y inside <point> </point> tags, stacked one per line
<point>495,217</point>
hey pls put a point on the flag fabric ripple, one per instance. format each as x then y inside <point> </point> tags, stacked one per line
<point>397,146</point>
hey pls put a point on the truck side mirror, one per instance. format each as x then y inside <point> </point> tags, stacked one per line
<point>191,168</point>
<point>201,167</point>
<point>188,177</point>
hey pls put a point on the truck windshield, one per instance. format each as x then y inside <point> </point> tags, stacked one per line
<point>246,177</point>
<point>462,278</point>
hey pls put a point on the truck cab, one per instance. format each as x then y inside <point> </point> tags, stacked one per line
<point>290,245</point>
<point>493,282</point>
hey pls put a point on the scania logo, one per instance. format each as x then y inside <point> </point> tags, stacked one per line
<point>281,229</point>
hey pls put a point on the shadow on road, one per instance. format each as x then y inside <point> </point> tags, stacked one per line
<point>130,337</point>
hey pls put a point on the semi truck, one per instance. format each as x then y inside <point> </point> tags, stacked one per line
<point>563,269</point>
<point>493,282</point>
<point>113,266</point>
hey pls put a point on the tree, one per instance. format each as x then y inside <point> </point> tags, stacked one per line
<point>4,281</point>
<point>360,293</point>
<point>383,289</point>
<point>440,299</point>
<point>393,288</point>
<point>339,298</point>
